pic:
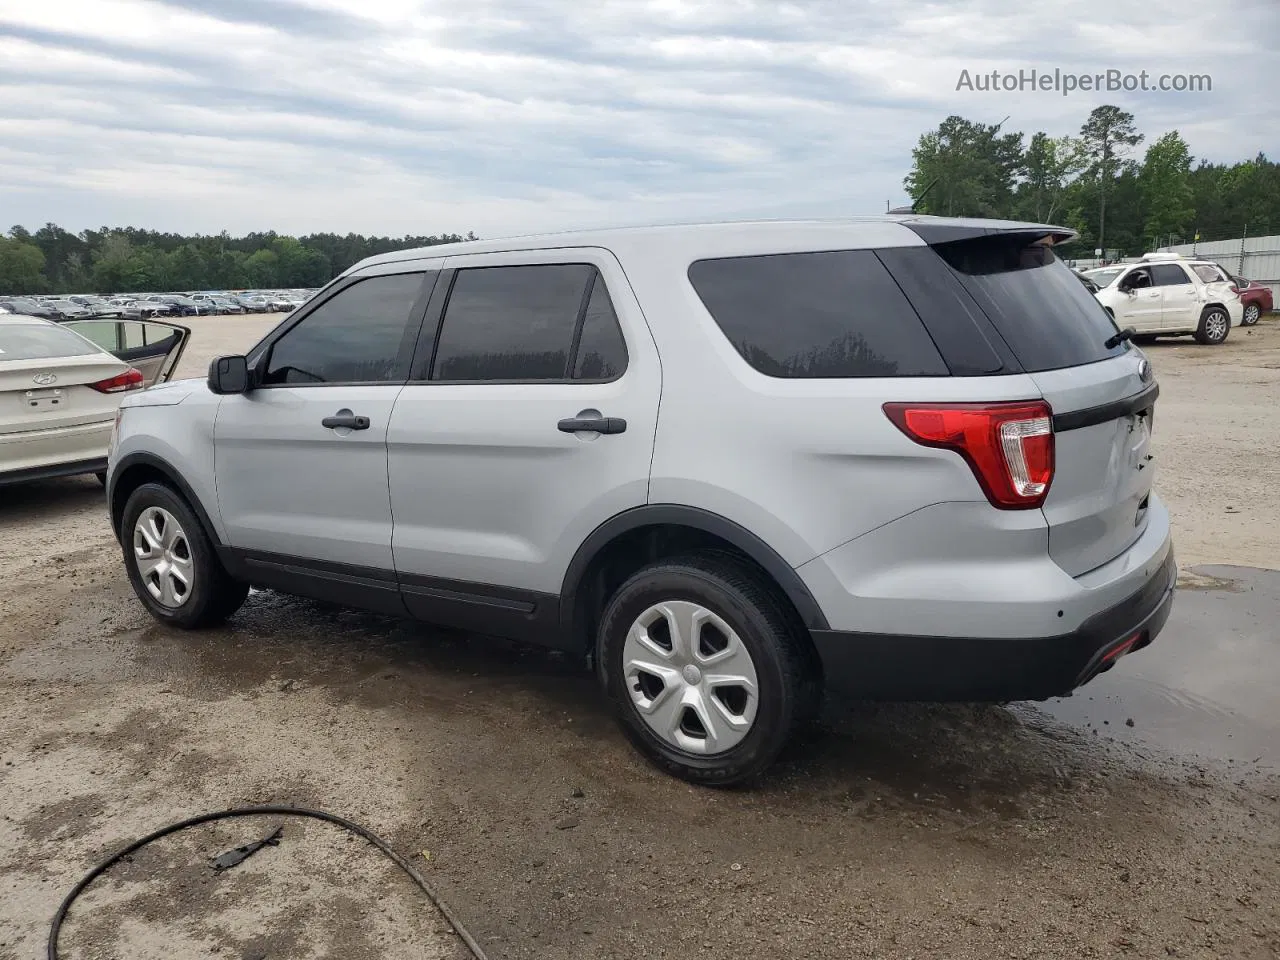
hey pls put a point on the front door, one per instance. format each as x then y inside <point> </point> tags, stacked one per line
<point>1140,305</point>
<point>528,423</point>
<point>301,458</point>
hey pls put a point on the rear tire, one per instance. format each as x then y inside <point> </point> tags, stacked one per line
<point>681,617</point>
<point>1252,314</point>
<point>172,565</point>
<point>1215,325</point>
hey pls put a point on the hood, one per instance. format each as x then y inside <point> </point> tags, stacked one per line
<point>165,394</point>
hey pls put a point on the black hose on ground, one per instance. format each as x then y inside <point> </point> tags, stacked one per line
<point>355,828</point>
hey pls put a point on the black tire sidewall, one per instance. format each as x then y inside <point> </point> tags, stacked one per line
<point>758,630</point>
<point>1203,333</point>
<point>204,596</point>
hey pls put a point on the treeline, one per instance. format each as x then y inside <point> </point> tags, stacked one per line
<point>130,260</point>
<point>1120,195</point>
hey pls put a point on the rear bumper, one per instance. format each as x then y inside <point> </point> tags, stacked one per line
<point>55,452</point>
<point>74,469</point>
<point>899,667</point>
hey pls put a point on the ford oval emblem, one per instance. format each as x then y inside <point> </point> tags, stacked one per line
<point>44,379</point>
<point>1144,371</point>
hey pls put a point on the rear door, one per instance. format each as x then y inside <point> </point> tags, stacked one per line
<point>1102,395</point>
<point>529,421</point>
<point>1179,299</point>
<point>152,348</point>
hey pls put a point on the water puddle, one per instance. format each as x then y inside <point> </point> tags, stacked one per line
<point>1209,687</point>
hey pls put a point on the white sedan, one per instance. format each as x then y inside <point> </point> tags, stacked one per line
<point>61,384</point>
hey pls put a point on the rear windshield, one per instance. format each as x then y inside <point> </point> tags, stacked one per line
<point>1041,310</point>
<point>39,341</point>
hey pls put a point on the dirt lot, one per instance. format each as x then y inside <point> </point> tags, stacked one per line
<point>1140,818</point>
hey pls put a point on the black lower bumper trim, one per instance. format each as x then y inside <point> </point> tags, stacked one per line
<point>79,467</point>
<point>877,666</point>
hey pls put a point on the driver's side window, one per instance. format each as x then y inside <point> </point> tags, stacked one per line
<point>362,334</point>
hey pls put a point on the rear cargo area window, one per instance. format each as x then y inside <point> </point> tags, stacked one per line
<point>1046,316</point>
<point>809,315</point>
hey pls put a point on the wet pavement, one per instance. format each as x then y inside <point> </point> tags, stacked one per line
<point>1209,687</point>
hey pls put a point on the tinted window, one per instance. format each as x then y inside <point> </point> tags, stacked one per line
<point>816,315</point>
<point>1169,275</point>
<point>356,336</point>
<point>602,353</point>
<point>38,341</point>
<point>511,323</point>
<point>1038,306</point>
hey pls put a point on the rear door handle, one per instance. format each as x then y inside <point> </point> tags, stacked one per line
<point>350,421</point>
<point>592,425</point>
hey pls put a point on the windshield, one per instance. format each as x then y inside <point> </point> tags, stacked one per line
<point>38,341</point>
<point>1104,276</point>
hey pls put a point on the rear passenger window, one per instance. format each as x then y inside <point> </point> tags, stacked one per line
<point>806,315</point>
<point>529,323</point>
<point>1169,275</point>
<point>602,354</point>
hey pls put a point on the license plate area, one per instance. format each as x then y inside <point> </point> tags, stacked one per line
<point>43,401</point>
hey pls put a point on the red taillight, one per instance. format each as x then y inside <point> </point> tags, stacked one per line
<point>131,379</point>
<point>1009,446</point>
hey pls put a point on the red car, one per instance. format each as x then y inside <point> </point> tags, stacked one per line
<point>1256,298</point>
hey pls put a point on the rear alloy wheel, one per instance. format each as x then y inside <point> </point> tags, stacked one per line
<point>703,668</point>
<point>1252,314</point>
<point>1215,324</point>
<point>171,565</point>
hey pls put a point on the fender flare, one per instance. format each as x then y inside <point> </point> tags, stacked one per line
<point>172,475</point>
<point>669,514</point>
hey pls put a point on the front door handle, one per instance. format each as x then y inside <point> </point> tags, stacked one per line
<point>592,425</point>
<point>348,420</point>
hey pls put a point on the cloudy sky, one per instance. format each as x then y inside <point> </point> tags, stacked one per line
<point>509,116</point>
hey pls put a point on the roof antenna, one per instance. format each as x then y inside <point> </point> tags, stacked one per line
<point>923,193</point>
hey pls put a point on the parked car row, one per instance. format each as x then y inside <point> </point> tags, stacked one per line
<point>140,306</point>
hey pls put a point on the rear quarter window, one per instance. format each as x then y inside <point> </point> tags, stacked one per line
<point>816,315</point>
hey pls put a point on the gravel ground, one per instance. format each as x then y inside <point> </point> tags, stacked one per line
<point>894,831</point>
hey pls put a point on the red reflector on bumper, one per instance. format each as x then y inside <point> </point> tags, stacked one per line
<point>1120,649</point>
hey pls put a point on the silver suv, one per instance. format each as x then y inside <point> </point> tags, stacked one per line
<point>734,465</point>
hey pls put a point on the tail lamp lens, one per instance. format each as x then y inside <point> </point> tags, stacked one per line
<point>131,379</point>
<point>1009,446</point>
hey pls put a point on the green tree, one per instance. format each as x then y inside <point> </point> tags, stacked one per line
<point>1105,139</point>
<point>1165,183</point>
<point>21,268</point>
<point>1049,166</point>
<point>262,268</point>
<point>967,169</point>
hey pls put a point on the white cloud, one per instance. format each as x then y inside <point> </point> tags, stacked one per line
<point>505,116</point>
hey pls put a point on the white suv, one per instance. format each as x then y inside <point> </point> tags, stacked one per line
<point>1167,294</point>
<point>732,464</point>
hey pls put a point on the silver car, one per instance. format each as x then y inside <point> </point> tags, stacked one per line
<point>731,465</point>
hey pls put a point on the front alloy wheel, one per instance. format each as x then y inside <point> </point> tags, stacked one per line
<point>164,557</point>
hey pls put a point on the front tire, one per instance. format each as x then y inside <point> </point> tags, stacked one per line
<point>703,668</point>
<point>1215,324</point>
<point>172,565</point>
<point>1252,314</point>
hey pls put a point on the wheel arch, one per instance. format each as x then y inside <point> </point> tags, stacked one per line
<point>133,471</point>
<point>644,528</point>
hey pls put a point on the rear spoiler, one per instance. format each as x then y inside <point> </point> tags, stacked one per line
<point>934,230</point>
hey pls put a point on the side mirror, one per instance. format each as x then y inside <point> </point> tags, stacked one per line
<point>229,375</point>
